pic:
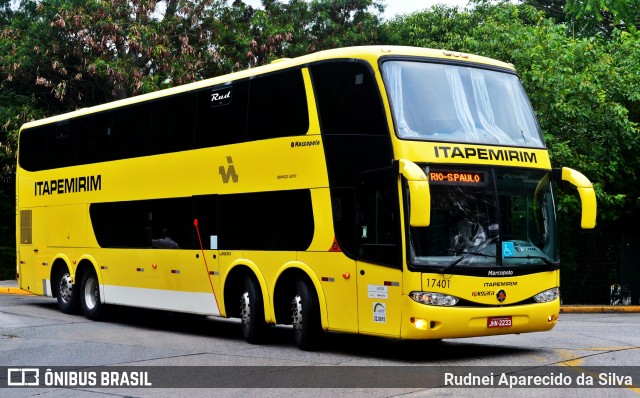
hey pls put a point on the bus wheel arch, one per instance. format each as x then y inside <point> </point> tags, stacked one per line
<point>64,287</point>
<point>297,302</point>
<point>245,298</point>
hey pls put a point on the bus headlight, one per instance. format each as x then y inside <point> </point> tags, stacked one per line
<point>431,298</point>
<point>547,295</point>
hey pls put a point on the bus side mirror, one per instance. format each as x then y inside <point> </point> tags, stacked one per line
<point>587,195</point>
<point>419,194</point>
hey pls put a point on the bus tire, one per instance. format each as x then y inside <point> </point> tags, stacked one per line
<point>90,295</point>
<point>67,298</point>
<point>252,312</point>
<point>305,316</point>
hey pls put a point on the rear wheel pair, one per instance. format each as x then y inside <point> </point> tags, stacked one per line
<point>86,294</point>
<point>305,314</point>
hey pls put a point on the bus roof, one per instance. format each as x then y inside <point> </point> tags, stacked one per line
<point>368,53</point>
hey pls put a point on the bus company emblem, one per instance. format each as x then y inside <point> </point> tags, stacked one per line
<point>68,185</point>
<point>229,173</point>
<point>501,296</point>
<point>501,155</point>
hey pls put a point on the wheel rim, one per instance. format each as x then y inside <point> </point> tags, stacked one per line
<point>296,318</point>
<point>91,293</point>
<point>245,309</point>
<point>65,288</point>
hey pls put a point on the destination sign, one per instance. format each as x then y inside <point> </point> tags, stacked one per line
<point>457,177</point>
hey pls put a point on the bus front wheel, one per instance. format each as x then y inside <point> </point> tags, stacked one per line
<point>305,316</point>
<point>252,312</point>
<point>90,295</point>
<point>67,298</point>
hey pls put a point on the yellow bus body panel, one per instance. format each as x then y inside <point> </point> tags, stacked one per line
<point>471,320</point>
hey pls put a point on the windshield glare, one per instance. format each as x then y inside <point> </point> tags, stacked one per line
<point>471,226</point>
<point>443,102</point>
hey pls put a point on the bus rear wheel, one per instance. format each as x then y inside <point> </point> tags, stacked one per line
<point>67,298</point>
<point>90,296</point>
<point>252,312</point>
<point>305,316</point>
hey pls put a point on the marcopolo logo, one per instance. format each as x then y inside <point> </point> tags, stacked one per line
<point>506,272</point>
<point>297,144</point>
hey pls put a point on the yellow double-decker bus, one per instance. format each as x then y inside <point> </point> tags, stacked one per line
<point>389,191</point>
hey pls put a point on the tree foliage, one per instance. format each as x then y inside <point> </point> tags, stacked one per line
<point>592,17</point>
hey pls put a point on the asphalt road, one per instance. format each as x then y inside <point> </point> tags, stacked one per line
<point>173,348</point>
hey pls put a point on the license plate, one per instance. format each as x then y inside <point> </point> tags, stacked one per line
<point>499,322</point>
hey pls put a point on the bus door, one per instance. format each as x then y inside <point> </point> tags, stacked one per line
<point>207,256</point>
<point>379,254</point>
<point>32,236</point>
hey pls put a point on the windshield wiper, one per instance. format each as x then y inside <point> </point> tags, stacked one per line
<point>464,255</point>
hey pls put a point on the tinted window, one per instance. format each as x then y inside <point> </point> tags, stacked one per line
<point>51,146</point>
<point>222,114</point>
<point>277,106</point>
<point>258,221</point>
<point>173,123</point>
<point>219,115</point>
<point>143,223</point>
<point>348,99</point>
<point>94,138</point>
<point>280,220</point>
<point>33,148</point>
<point>62,145</point>
<point>130,132</point>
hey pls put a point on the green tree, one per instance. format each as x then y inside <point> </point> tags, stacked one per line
<point>592,17</point>
<point>340,23</point>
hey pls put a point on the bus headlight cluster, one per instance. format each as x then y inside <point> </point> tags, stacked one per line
<point>547,295</point>
<point>431,298</point>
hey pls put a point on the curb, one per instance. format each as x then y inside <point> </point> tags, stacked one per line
<point>600,309</point>
<point>14,291</point>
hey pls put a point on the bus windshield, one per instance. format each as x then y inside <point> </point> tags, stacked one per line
<point>487,217</point>
<point>445,102</point>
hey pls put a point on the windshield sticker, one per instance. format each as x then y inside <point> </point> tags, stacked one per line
<point>508,249</point>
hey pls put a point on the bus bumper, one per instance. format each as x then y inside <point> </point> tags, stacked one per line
<point>420,321</point>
